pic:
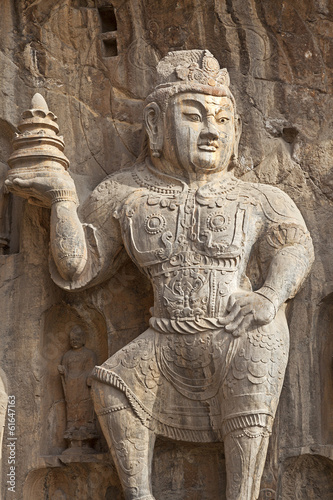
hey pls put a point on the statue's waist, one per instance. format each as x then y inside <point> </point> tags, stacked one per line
<point>185,326</point>
<point>203,265</point>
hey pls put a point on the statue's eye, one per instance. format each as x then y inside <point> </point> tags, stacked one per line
<point>223,119</point>
<point>193,117</point>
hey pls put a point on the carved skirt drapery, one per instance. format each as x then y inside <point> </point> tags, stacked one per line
<point>191,380</point>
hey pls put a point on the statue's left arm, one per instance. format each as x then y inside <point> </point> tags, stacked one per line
<point>285,254</point>
<point>291,255</point>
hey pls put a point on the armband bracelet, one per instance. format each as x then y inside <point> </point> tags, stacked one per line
<point>72,256</point>
<point>270,294</point>
<point>58,195</point>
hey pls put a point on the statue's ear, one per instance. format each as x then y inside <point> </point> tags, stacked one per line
<point>153,120</point>
<point>238,132</point>
<point>234,156</point>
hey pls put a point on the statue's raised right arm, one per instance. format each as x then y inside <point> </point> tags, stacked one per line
<point>39,173</point>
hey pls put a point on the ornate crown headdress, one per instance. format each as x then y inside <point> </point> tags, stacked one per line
<point>191,66</point>
<point>190,71</point>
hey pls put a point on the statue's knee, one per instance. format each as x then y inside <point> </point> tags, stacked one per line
<point>106,396</point>
<point>255,431</point>
<point>248,426</point>
<point>251,432</point>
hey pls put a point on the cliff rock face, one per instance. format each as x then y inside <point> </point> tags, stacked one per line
<point>94,63</point>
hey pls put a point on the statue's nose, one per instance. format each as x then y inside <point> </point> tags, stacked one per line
<point>209,131</point>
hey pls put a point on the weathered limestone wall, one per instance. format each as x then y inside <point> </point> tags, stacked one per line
<point>95,66</point>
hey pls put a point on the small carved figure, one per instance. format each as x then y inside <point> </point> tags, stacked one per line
<point>211,365</point>
<point>75,370</point>
<point>4,219</point>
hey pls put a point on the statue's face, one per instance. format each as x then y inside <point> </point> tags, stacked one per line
<point>76,338</point>
<point>199,132</point>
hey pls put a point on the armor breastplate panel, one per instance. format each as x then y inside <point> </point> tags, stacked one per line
<point>190,250</point>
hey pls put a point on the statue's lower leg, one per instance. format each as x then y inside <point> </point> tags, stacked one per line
<point>130,442</point>
<point>245,455</point>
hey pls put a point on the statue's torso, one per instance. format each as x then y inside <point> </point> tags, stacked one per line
<point>193,244</point>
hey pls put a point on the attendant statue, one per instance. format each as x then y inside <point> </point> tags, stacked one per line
<point>75,370</point>
<point>211,365</point>
<point>4,219</point>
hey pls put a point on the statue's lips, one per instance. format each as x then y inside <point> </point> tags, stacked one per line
<point>207,147</point>
<point>75,344</point>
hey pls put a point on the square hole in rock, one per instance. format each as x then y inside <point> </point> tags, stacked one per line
<point>110,48</point>
<point>108,19</point>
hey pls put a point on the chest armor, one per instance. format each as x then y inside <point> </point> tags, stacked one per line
<point>190,244</point>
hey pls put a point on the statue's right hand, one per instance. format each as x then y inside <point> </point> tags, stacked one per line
<point>38,187</point>
<point>61,369</point>
<point>246,311</point>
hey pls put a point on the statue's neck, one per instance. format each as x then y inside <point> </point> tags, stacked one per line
<point>189,175</point>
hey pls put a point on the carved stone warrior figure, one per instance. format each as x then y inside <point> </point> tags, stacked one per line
<point>211,365</point>
<point>75,370</point>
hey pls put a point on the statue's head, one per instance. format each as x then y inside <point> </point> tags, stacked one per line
<point>190,117</point>
<point>77,337</point>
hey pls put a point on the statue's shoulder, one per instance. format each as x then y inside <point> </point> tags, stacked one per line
<point>118,182</point>
<point>67,356</point>
<point>109,194</point>
<point>275,203</point>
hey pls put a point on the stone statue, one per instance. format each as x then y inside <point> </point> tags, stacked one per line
<point>4,219</point>
<point>211,365</point>
<point>75,370</point>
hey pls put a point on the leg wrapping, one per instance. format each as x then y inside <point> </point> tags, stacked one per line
<point>130,442</point>
<point>245,453</point>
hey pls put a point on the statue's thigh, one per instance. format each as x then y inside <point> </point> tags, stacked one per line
<point>106,396</point>
<point>255,376</point>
